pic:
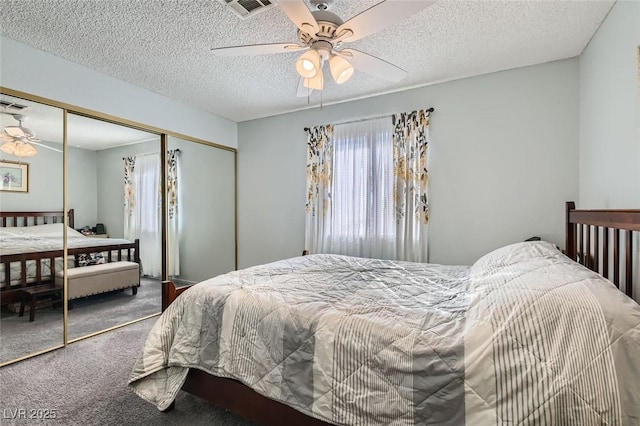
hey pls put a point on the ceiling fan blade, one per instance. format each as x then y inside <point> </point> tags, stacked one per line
<point>378,17</point>
<point>6,138</point>
<point>300,15</point>
<point>15,131</point>
<point>303,91</point>
<point>371,65</point>
<point>45,146</point>
<point>257,49</point>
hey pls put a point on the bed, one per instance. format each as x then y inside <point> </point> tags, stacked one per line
<point>32,250</point>
<point>525,335</point>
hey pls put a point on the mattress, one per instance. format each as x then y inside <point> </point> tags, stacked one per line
<point>523,336</point>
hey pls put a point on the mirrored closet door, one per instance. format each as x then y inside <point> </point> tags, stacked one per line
<point>114,178</point>
<point>200,211</point>
<point>31,227</point>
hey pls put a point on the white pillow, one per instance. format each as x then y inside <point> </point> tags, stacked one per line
<point>512,254</point>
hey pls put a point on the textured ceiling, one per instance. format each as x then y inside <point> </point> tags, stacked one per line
<point>164,46</point>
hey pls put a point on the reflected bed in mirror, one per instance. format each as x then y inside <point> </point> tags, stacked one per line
<point>31,274</point>
<point>41,156</point>
<point>32,251</point>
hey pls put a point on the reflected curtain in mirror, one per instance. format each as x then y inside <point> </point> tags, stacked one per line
<point>142,216</point>
<point>142,201</point>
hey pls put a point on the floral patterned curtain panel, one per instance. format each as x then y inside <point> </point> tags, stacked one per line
<point>319,179</point>
<point>172,210</point>
<point>130,227</point>
<point>410,158</point>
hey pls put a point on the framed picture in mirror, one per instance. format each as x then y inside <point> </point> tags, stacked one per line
<point>15,176</point>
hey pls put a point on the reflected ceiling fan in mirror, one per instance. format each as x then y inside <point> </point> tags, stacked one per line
<point>322,35</point>
<point>19,140</point>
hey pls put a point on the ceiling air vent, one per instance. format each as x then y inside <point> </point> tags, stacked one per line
<point>246,8</point>
<point>12,105</point>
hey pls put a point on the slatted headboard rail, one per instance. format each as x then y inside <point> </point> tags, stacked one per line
<point>33,218</point>
<point>603,241</point>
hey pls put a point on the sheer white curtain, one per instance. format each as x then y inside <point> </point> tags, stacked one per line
<point>143,210</point>
<point>360,220</point>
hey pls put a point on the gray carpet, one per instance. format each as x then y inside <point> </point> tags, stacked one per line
<point>86,384</point>
<point>19,337</point>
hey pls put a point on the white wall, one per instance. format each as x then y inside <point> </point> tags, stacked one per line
<point>503,160</point>
<point>610,115</point>
<point>610,111</point>
<point>82,186</point>
<point>39,73</point>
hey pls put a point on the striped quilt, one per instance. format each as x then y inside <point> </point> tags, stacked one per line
<point>524,336</point>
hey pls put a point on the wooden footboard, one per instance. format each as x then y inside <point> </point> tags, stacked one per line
<point>10,293</point>
<point>38,260</point>
<point>603,241</point>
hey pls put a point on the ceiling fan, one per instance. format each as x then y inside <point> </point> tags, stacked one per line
<point>19,140</point>
<point>322,35</point>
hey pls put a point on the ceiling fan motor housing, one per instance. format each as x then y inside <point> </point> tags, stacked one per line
<point>328,23</point>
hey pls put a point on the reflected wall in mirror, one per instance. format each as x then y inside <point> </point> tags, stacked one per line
<point>31,222</point>
<point>201,211</point>
<point>114,180</point>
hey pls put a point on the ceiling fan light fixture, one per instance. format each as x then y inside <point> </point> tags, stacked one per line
<point>19,149</point>
<point>308,64</point>
<point>25,150</point>
<point>341,69</point>
<point>8,147</point>
<point>316,82</point>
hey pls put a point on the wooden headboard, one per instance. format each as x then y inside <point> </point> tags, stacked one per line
<point>602,240</point>
<point>33,218</point>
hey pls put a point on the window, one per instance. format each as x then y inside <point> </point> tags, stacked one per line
<point>367,188</point>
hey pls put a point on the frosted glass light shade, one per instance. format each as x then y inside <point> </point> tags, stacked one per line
<point>341,69</point>
<point>8,147</point>
<point>20,149</point>
<point>316,82</point>
<point>308,64</point>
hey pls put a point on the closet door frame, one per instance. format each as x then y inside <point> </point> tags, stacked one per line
<point>164,135</point>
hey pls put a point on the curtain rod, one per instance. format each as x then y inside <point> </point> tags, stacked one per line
<point>306,129</point>
<point>151,153</point>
